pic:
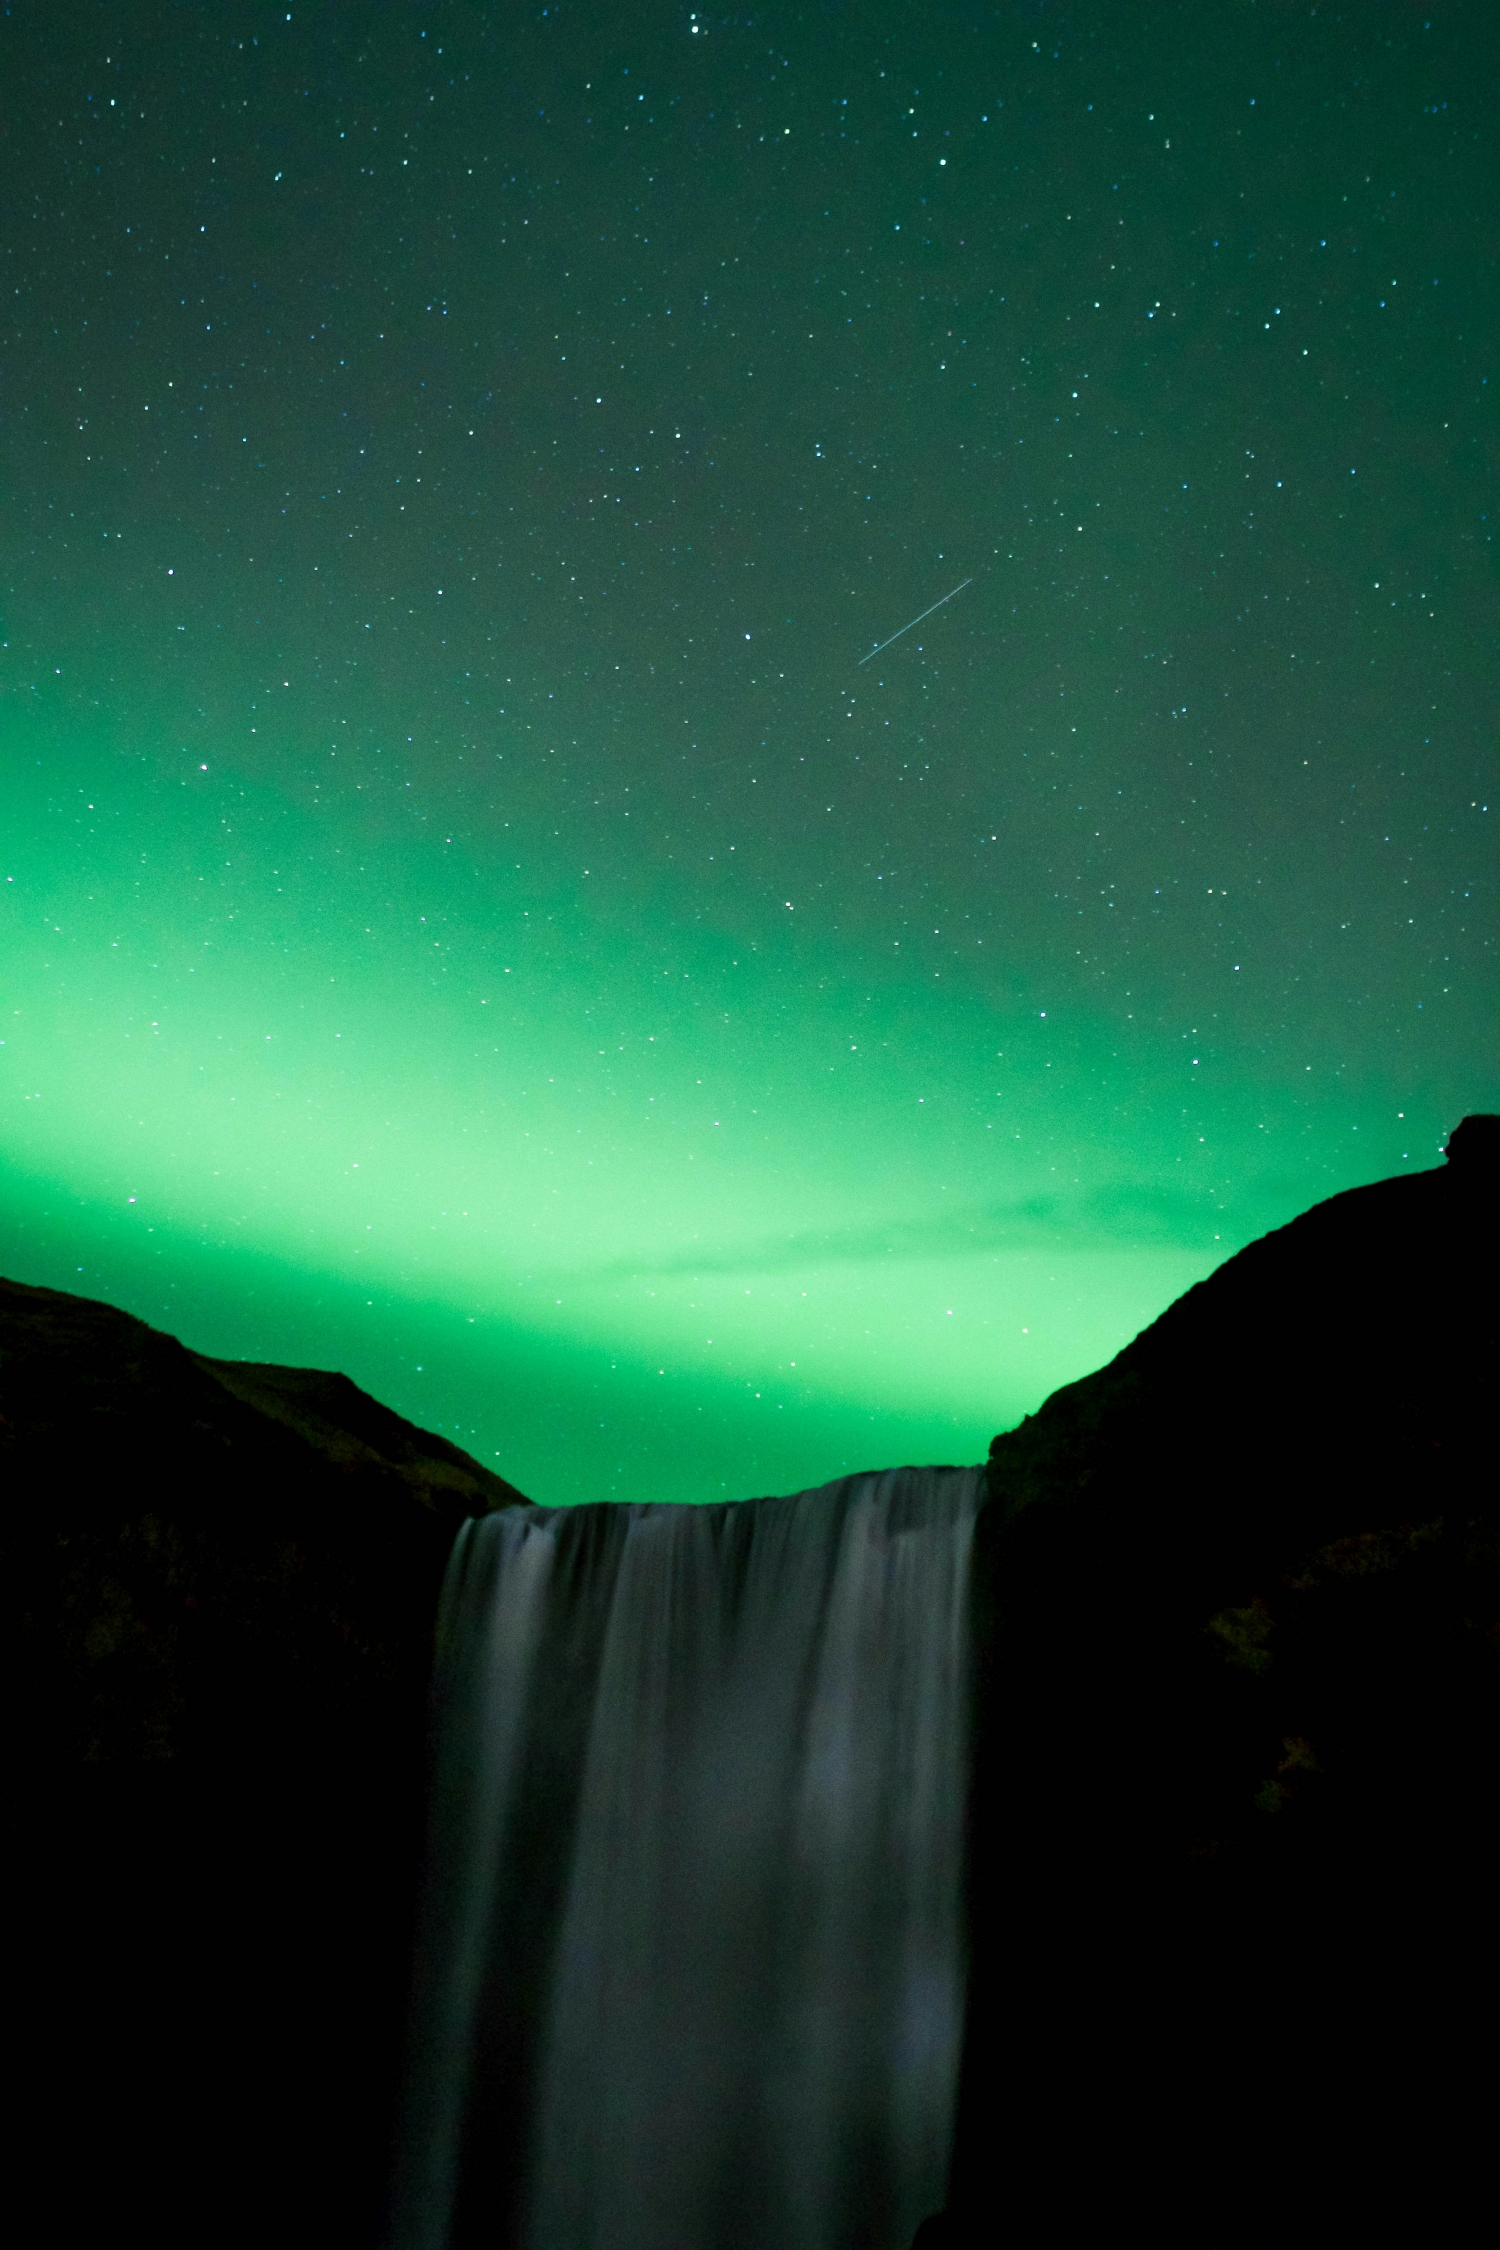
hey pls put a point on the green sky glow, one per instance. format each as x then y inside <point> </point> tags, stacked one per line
<point>520,956</point>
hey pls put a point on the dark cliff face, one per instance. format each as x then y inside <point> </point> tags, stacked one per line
<point>1307,1434</point>
<point>1237,1800</point>
<point>209,1558</point>
<point>219,1585</point>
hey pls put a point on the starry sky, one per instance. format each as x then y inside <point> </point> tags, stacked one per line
<point>474,910</point>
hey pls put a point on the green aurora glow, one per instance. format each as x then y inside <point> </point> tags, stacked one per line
<point>516,954</point>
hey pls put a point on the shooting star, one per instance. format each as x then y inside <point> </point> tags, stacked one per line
<point>914,621</point>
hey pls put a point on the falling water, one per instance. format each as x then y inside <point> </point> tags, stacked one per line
<point>691,1974</point>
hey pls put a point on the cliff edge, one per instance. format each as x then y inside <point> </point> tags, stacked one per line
<point>1236,1816</point>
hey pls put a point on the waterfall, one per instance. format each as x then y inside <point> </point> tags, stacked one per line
<point>691,1974</point>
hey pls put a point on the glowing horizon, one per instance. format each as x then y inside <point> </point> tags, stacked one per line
<point>474,915</point>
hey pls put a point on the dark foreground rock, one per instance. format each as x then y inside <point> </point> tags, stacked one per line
<point>219,1586</point>
<point>1236,1837</point>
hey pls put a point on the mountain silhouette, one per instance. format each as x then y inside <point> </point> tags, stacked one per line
<point>1236,1811</point>
<point>220,1582</point>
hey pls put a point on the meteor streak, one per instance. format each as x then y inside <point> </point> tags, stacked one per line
<point>875,651</point>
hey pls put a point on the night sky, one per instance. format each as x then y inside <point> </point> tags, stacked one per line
<point>471,918</point>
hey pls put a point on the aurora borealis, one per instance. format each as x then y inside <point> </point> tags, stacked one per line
<point>470,918</point>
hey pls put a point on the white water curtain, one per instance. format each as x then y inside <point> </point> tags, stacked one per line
<point>745,2031</point>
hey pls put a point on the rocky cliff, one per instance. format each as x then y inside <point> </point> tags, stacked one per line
<point>219,1588</point>
<point>213,1557</point>
<point>1236,1830</point>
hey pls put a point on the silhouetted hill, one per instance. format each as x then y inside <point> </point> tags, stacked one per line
<point>220,1583</point>
<point>1237,1802</point>
<point>213,1556</point>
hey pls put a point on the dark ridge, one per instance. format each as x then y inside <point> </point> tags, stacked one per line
<point>352,1430</point>
<point>220,1584</point>
<point>215,1556</point>
<point>1236,1818</point>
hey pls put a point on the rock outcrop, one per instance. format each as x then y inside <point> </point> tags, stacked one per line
<point>211,1558</point>
<point>219,1585</point>
<point>1237,1800</point>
